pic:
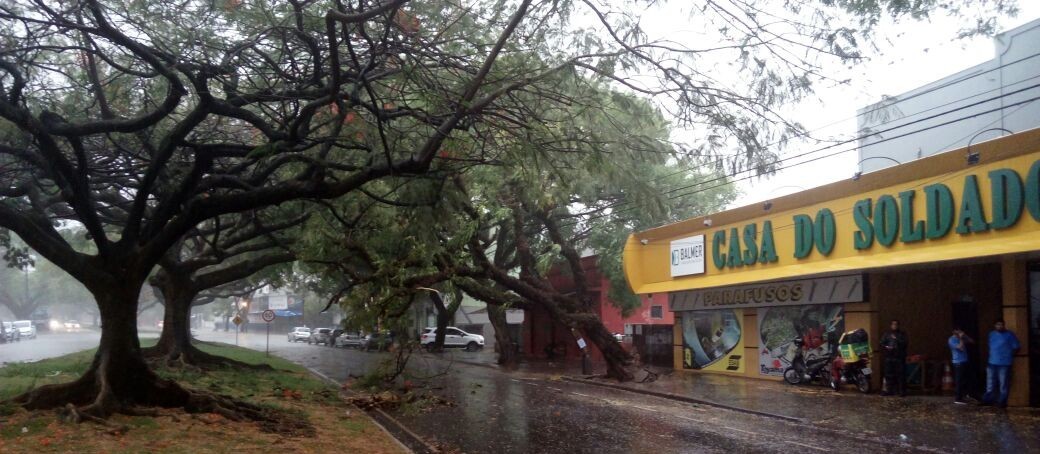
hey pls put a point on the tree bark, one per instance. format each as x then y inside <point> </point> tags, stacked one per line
<point>118,378</point>
<point>174,343</point>
<point>175,340</point>
<point>508,356</point>
<point>443,318</point>
<point>617,358</point>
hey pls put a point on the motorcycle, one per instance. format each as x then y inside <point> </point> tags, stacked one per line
<point>806,371</point>
<point>853,364</point>
<point>855,372</point>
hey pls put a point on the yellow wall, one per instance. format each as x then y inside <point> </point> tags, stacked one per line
<point>1015,312</point>
<point>647,266</point>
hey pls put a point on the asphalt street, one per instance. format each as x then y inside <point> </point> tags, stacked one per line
<point>495,411</point>
<point>522,412</point>
<point>48,345</point>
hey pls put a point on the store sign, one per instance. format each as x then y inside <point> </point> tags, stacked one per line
<point>277,302</point>
<point>824,290</point>
<point>687,256</point>
<point>514,316</point>
<point>1010,196</point>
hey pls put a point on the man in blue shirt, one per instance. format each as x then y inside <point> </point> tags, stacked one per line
<point>959,349</point>
<point>1002,346</point>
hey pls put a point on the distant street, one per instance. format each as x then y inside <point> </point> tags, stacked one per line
<point>48,345</point>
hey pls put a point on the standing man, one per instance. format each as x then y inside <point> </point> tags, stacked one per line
<point>959,350</point>
<point>1002,347</point>
<point>894,343</point>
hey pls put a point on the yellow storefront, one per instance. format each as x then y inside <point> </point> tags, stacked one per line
<point>949,239</point>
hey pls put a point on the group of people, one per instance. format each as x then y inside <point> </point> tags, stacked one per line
<point>1002,346</point>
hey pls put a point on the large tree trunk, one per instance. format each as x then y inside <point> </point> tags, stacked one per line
<point>616,357</point>
<point>507,352</point>
<point>175,341</point>
<point>443,318</point>
<point>118,378</point>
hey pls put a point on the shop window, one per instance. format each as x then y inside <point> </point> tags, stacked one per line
<point>656,311</point>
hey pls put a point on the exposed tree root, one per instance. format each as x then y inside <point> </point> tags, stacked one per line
<point>191,357</point>
<point>90,399</point>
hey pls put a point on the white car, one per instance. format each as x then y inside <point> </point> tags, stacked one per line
<point>300,333</point>
<point>72,325</point>
<point>453,337</point>
<point>26,329</point>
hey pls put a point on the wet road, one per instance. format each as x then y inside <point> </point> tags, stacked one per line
<point>522,413</point>
<point>47,345</point>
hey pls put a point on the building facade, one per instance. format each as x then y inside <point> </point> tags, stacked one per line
<point>989,100</point>
<point>938,242</point>
<point>647,330</point>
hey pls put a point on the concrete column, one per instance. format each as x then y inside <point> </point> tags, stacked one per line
<point>677,342</point>
<point>1016,318</point>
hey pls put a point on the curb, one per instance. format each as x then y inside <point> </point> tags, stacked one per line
<point>686,399</point>
<point>406,439</point>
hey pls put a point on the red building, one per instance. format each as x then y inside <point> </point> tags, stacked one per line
<point>648,329</point>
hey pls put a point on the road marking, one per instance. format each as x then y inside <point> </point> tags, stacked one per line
<point>689,418</point>
<point>647,408</point>
<point>805,445</point>
<point>742,430</point>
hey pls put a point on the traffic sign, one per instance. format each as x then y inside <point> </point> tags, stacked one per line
<point>268,316</point>
<point>237,320</point>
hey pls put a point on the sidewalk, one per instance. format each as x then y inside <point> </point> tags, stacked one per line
<point>932,421</point>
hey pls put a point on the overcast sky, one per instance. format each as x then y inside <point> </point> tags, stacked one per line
<point>912,55</point>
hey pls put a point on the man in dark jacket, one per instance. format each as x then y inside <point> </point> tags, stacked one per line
<point>894,343</point>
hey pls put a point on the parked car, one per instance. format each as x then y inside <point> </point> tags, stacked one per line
<point>321,336</point>
<point>453,338</point>
<point>26,329</point>
<point>299,333</point>
<point>348,340</point>
<point>11,334</point>
<point>377,341</point>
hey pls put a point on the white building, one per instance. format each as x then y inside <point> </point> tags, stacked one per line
<point>974,105</point>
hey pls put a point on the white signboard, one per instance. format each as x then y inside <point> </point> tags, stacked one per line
<point>514,316</point>
<point>823,290</point>
<point>277,302</point>
<point>687,256</point>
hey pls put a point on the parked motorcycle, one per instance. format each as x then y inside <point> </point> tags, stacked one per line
<point>806,371</point>
<point>853,364</point>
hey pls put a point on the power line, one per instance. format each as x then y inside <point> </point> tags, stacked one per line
<point>857,138</point>
<point>915,95</point>
<point>727,176</point>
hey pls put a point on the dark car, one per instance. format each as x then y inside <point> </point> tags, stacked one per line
<point>352,340</point>
<point>321,336</point>
<point>11,334</point>
<point>377,341</point>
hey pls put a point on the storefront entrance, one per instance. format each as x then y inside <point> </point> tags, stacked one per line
<point>1034,334</point>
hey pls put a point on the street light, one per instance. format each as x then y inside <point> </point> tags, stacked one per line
<point>859,173</point>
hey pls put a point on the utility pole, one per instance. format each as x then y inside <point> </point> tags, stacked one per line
<point>26,283</point>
